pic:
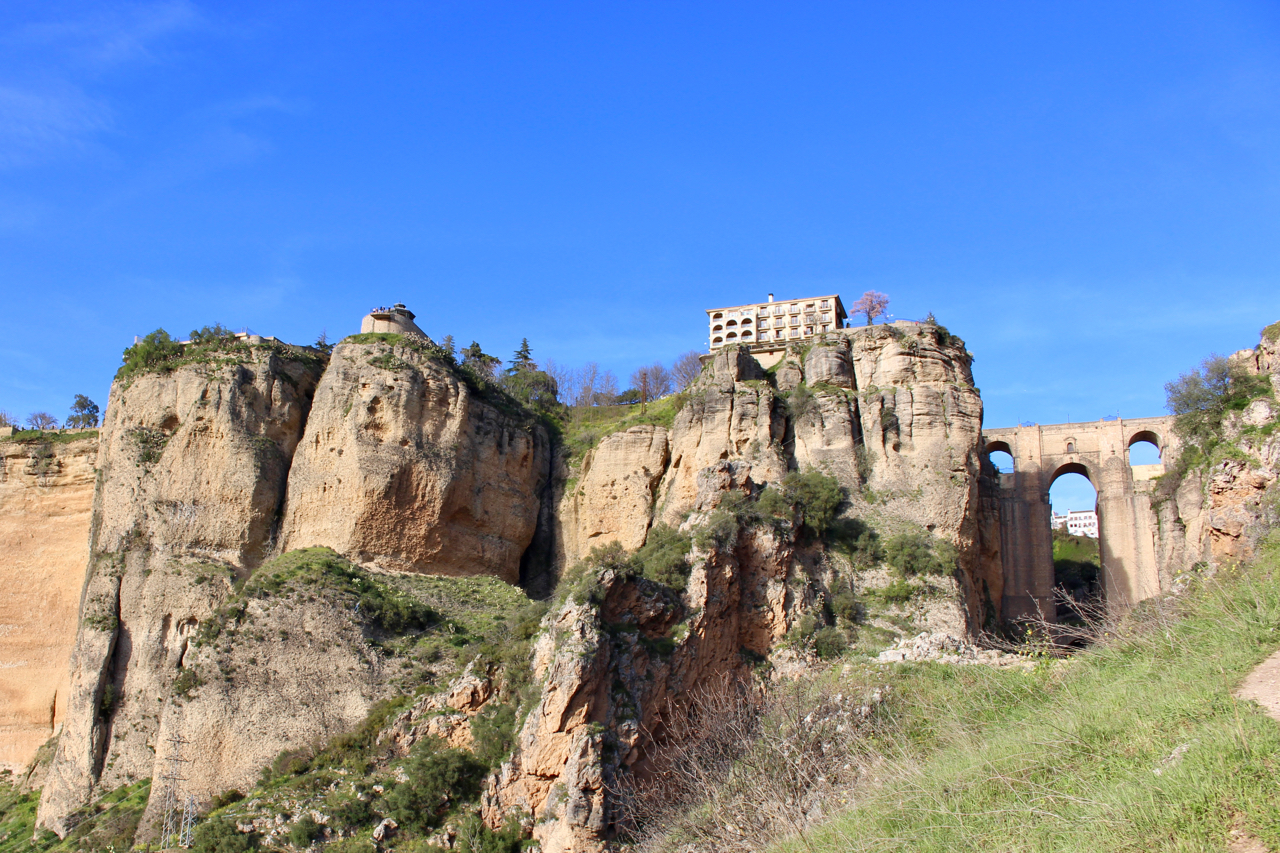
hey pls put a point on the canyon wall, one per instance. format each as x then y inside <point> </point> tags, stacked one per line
<point>405,467</point>
<point>890,411</point>
<point>208,469</point>
<point>46,497</point>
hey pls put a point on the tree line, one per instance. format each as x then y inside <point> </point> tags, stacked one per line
<point>84,415</point>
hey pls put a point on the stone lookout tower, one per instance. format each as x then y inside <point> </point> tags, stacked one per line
<point>398,320</point>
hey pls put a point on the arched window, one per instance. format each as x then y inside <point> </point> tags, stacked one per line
<point>717,328</point>
<point>731,336</point>
<point>717,341</point>
<point>746,333</point>
<point>731,323</point>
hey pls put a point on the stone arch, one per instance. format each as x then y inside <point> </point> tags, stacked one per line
<point>1073,468</point>
<point>1145,435</point>
<point>1001,447</point>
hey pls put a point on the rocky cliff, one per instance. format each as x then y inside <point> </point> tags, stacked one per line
<point>46,496</point>
<point>192,468</point>
<point>405,466</point>
<point>889,411</point>
<point>390,455</point>
<point>1215,510</point>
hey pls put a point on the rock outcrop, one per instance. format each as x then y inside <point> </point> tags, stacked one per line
<point>46,498</point>
<point>1215,514</point>
<point>406,467</point>
<point>192,466</point>
<point>615,664</point>
<point>889,411</point>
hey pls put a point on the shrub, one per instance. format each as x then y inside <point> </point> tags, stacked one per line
<point>917,554</point>
<point>493,733</point>
<point>830,643</point>
<point>152,351</point>
<point>226,798</point>
<point>1200,399</point>
<point>664,557</point>
<point>221,836</point>
<point>810,499</point>
<point>898,592</point>
<point>856,540</point>
<point>305,831</point>
<point>846,605</point>
<point>438,780</point>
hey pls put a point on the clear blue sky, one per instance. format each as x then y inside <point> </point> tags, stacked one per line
<point>1088,193</point>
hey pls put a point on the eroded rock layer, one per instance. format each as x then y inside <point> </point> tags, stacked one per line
<point>46,497</point>
<point>192,470</point>
<point>406,467</point>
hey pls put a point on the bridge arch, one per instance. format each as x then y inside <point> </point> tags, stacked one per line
<point>1072,468</point>
<point>1123,489</point>
<point>997,451</point>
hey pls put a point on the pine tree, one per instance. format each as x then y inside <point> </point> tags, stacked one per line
<point>523,359</point>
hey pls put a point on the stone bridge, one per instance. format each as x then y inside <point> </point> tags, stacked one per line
<point>1126,522</point>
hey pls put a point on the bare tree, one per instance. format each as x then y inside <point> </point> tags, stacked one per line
<point>871,305</point>
<point>588,380</point>
<point>564,378</point>
<point>687,368</point>
<point>7,420</point>
<point>606,389</point>
<point>41,421</point>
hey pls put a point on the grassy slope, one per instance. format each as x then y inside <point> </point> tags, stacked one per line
<point>1064,757</point>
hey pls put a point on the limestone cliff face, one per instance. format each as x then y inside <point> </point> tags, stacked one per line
<point>890,411</point>
<point>192,466</point>
<point>615,665</point>
<point>405,467</point>
<point>46,495</point>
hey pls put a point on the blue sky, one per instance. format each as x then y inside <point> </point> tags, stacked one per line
<point>1088,193</point>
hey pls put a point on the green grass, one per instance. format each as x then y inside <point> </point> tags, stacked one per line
<point>110,821</point>
<point>30,436</point>
<point>586,425</point>
<point>1065,757</point>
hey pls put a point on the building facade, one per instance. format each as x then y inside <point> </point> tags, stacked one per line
<point>768,326</point>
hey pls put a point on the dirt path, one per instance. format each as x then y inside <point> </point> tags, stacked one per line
<point>1261,686</point>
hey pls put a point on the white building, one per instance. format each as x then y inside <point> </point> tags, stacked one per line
<point>768,326</point>
<point>1082,522</point>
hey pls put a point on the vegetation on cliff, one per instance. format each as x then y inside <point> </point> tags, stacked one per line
<point>214,346</point>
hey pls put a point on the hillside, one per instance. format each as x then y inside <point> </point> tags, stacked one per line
<point>374,597</point>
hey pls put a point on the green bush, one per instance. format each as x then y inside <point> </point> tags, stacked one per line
<point>152,351</point>
<point>830,643</point>
<point>898,592</point>
<point>846,605</point>
<point>1200,399</point>
<point>221,836</point>
<point>389,609</point>
<point>438,780</point>
<point>226,798</point>
<point>809,500</point>
<point>474,836</point>
<point>856,540</point>
<point>493,734</point>
<point>919,554</point>
<point>665,556</point>
<point>305,831</point>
